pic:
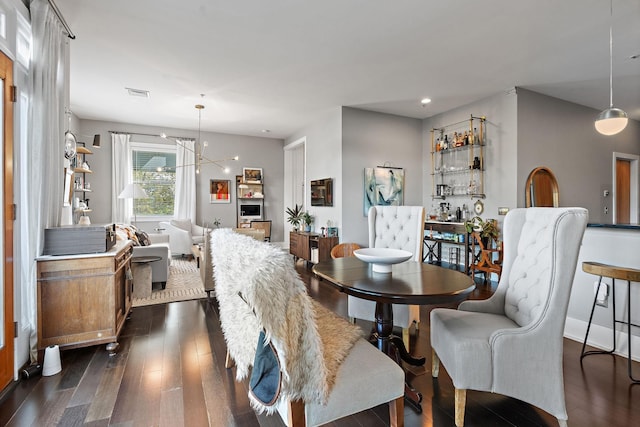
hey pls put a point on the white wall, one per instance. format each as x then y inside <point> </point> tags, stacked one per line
<point>265,153</point>
<point>323,159</point>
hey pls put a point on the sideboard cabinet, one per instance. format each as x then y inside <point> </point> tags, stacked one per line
<point>84,299</point>
<point>311,246</point>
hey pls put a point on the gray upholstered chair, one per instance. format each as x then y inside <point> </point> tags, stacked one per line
<point>512,342</point>
<point>263,293</point>
<point>398,227</point>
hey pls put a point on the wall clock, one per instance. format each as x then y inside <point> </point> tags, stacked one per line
<point>478,207</point>
<point>70,145</point>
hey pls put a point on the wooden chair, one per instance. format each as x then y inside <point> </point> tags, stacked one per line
<point>343,250</point>
<point>488,259</point>
<point>264,225</point>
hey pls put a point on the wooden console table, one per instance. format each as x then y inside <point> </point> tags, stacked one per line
<point>432,252</point>
<point>84,299</point>
<point>301,245</point>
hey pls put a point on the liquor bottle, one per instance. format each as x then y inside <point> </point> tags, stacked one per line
<point>446,143</point>
<point>477,137</point>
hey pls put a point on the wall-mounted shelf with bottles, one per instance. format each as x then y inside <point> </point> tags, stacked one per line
<point>81,168</point>
<point>457,159</point>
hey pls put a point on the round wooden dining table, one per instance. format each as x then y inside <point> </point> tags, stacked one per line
<point>410,282</point>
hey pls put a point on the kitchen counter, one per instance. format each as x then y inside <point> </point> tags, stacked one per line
<point>616,226</point>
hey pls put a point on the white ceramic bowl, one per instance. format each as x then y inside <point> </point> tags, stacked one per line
<point>382,259</point>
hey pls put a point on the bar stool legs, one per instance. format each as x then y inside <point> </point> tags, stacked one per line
<point>614,321</point>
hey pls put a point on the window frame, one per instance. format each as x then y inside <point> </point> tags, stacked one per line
<point>152,147</point>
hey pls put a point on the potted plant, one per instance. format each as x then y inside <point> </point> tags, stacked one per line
<point>294,216</point>
<point>308,220</point>
<point>486,229</point>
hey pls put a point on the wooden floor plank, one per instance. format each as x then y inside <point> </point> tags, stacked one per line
<point>90,381</point>
<point>172,409</point>
<point>124,408</point>
<point>54,407</point>
<point>102,404</point>
<point>74,416</point>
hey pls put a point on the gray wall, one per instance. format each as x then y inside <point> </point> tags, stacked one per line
<point>561,135</point>
<point>265,153</point>
<point>371,139</point>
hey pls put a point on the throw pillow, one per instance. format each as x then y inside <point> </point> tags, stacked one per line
<point>143,238</point>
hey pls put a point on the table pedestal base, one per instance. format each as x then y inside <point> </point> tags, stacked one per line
<point>393,346</point>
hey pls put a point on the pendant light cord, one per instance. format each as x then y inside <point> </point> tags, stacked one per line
<point>611,56</point>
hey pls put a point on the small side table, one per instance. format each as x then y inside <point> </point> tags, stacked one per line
<point>614,272</point>
<point>141,269</point>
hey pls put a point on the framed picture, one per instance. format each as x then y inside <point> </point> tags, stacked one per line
<point>219,190</point>
<point>383,186</point>
<point>68,187</point>
<point>252,175</point>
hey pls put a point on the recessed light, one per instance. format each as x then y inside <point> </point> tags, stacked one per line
<point>137,92</point>
<point>636,56</point>
<point>425,101</point>
<point>266,130</point>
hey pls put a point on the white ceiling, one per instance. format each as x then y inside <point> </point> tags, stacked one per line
<point>277,64</point>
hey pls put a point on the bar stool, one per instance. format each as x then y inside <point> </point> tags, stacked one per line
<point>614,272</point>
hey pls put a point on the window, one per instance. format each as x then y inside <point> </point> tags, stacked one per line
<point>154,168</point>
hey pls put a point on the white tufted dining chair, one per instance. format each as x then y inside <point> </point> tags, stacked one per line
<point>512,342</point>
<point>397,227</point>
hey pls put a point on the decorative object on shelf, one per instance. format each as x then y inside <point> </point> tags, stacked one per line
<point>252,175</point>
<point>308,220</point>
<point>381,259</point>
<point>68,191</point>
<point>332,231</point>
<point>217,222</point>
<point>612,120</point>
<point>478,207</point>
<point>383,186</point>
<point>96,141</point>
<point>133,191</point>
<point>294,216</point>
<point>219,191</point>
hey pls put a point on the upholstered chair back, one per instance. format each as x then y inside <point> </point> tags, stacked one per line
<point>534,259</point>
<point>397,227</point>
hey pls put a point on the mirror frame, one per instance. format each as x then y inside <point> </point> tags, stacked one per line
<point>326,186</point>
<point>529,186</point>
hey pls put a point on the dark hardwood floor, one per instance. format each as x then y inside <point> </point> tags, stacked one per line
<point>170,371</point>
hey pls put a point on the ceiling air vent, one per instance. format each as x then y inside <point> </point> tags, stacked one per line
<point>137,92</point>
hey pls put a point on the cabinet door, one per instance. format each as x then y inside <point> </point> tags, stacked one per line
<point>303,247</point>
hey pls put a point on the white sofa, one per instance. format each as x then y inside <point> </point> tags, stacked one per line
<point>183,234</point>
<point>159,247</point>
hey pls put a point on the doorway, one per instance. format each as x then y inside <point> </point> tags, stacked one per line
<point>625,188</point>
<point>6,218</point>
<point>294,177</point>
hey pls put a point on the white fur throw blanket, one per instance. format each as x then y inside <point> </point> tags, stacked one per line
<point>310,340</point>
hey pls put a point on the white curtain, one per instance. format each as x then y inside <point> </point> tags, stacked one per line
<point>41,188</point>
<point>122,174</point>
<point>185,195</point>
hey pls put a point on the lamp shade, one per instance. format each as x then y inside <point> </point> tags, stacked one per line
<point>611,121</point>
<point>133,191</point>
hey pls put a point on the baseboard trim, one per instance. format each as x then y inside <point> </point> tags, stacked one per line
<point>600,337</point>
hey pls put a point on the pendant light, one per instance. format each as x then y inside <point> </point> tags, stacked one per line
<point>612,120</point>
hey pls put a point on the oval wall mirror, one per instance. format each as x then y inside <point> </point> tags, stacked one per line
<point>541,189</point>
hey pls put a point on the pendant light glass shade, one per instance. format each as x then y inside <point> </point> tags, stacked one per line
<point>611,121</point>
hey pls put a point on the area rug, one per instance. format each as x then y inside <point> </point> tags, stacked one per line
<point>184,284</point>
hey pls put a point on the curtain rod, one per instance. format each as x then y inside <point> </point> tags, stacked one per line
<point>151,134</point>
<point>61,18</point>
